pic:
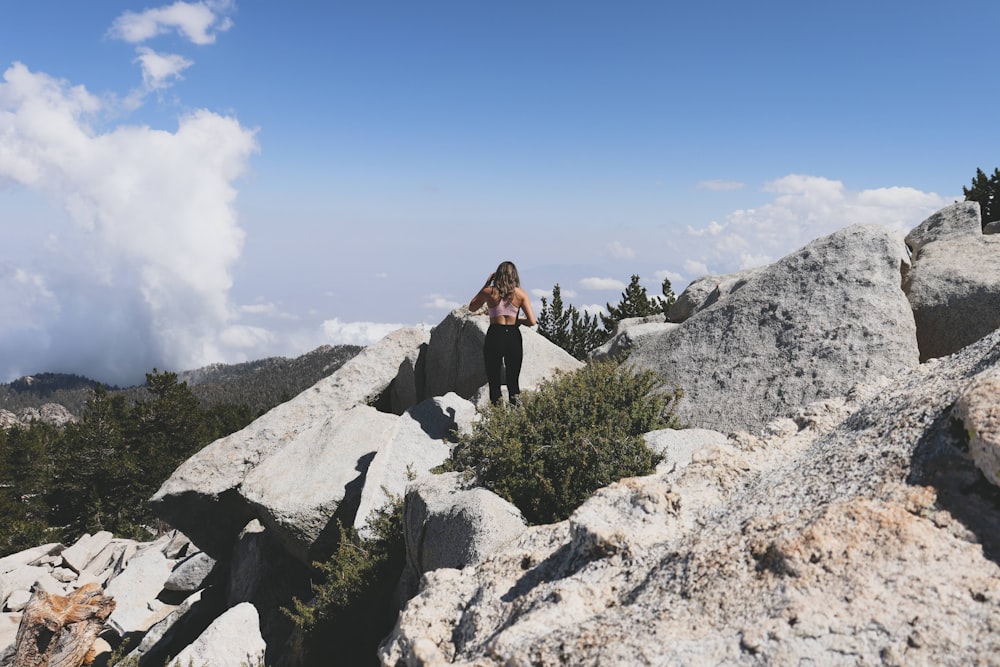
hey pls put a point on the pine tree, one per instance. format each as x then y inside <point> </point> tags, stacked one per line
<point>668,295</point>
<point>984,190</point>
<point>635,302</point>
<point>577,333</point>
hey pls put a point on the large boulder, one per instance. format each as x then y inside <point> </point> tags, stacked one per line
<point>297,491</point>
<point>232,640</point>
<point>954,285</point>
<point>135,591</point>
<point>874,541</point>
<point>190,574</point>
<point>201,498</point>
<point>455,356</point>
<point>807,327</point>
<point>423,440</point>
<point>957,221</point>
<point>448,524</point>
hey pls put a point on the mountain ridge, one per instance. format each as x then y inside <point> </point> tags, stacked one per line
<point>259,384</point>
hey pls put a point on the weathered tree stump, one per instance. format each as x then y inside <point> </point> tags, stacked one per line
<point>58,630</point>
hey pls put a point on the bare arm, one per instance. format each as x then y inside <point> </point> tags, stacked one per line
<point>483,296</point>
<point>529,315</point>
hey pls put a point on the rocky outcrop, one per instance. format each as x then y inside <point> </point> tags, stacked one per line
<point>202,497</point>
<point>53,414</point>
<point>861,536</point>
<point>836,503</point>
<point>804,328</point>
<point>455,356</point>
<point>450,524</point>
<point>299,490</point>
<point>283,470</point>
<point>265,502</point>
<point>422,441</point>
<point>954,284</point>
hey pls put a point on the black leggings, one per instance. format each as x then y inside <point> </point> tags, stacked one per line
<point>503,348</point>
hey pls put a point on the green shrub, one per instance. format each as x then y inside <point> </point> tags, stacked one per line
<point>575,434</point>
<point>354,604</point>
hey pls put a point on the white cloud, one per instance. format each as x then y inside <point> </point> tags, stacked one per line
<point>695,269</point>
<point>674,277</point>
<point>565,294</point>
<point>357,333</point>
<point>440,302</point>
<point>34,282</point>
<point>141,275</point>
<point>160,70</point>
<point>196,21</point>
<point>720,185</point>
<point>601,284</point>
<point>713,229</point>
<point>267,310</point>
<point>259,309</point>
<point>620,251</point>
<point>804,208</point>
<point>245,337</point>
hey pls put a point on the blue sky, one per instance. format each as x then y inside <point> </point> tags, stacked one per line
<point>192,182</point>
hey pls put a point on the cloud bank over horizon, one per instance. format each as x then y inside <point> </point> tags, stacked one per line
<point>142,272</point>
<point>136,275</point>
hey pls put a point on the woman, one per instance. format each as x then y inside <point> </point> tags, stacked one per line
<point>503,295</point>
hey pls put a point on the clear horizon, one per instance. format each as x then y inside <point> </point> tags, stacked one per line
<point>218,181</point>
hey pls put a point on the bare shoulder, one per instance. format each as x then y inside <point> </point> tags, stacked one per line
<point>488,295</point>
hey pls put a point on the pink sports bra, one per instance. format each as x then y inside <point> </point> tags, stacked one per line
<point>505,308</point>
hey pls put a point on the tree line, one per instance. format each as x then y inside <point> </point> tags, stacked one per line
<point>580,333</point>
<point>58,483</point>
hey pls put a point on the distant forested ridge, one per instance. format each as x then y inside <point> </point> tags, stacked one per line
<point>257,385</point>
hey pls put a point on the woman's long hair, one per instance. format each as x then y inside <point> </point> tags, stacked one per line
<point>506,280</point>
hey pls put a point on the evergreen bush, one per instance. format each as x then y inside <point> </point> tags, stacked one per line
<point>577,433</point>
<point>354,604</point>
